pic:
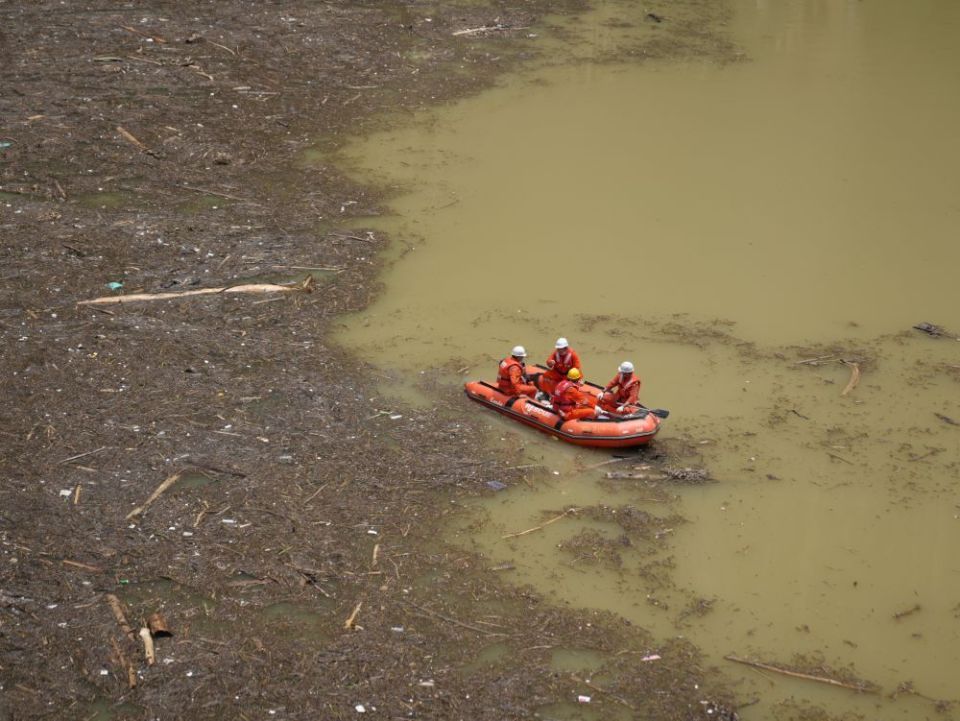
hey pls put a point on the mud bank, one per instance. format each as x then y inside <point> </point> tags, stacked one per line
<point>154,148</point>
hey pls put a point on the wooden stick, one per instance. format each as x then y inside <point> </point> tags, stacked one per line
<point>122,660</point>
<point>131,138</point>
<point>148,650</point>
<point>80,455</point>
<point>453,620</point>
<point>376,553</point>
<point>865,687</point>
<point>214,192</point>
<point>154,496</point>
<point>117,607</point>
<point>854,376</point>
<point>351,621</point>
<point>901,614</point>
<point>84,566</point>
<point>541,527</point>
<point>249,288</point>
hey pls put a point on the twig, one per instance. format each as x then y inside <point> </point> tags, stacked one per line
<point>486,29</point>
<point>220,46</point>
<point>214,192</point>
<point>541,527</point>
<point>81,455</point>
<point>352,619</point>
<point>133,140</point>
<point>863,687</point>
<point>839,458</point>
<point>154,496</point>
<point>854,376</point>
<point>155,38</point>
<point>454,621</point>
<point>815,361</point>
<point>117,607</point>
<point>315,493</point>
<point>82,566</point>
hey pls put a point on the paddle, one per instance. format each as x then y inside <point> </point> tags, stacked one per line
<point>642,413</point>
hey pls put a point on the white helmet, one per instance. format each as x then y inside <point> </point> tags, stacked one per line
<point>626,367</point>
<point>562,343</point>
<point>519,351</point>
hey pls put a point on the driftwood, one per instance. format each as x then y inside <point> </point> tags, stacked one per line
<point>154,496</point>
<point>148,651</point>
<point>854,376</point>
<point>117,607</point>
<point>862,687</point>
<point>542,526</point>
<point>306,286</point>
<point>125,663</point>
<point>902,614</point>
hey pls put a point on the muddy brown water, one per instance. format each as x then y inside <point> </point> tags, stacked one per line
<point>721,224</point>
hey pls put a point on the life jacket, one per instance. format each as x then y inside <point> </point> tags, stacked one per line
<point>562,400</point>
<point>624,384</point>
<point>562,361</point>
<point>504,382</point>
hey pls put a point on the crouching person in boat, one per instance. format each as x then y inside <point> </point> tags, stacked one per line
<point>571,402</point>
<point>561,361</point>
<point>622,391</point>
<point>512,375</point>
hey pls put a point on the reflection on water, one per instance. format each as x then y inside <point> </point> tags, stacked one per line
<point>720,223</point>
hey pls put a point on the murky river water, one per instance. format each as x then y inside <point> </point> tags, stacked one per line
<point>718,223</point>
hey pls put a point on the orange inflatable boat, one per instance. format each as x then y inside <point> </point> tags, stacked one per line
<point>636,428</point>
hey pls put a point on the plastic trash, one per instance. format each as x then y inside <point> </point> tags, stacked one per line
<point>496,485</point>
<point>4,144</point>
<point>114,285</point>
<point>583,699</point>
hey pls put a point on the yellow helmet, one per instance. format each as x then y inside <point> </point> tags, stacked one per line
<point>574,374</point>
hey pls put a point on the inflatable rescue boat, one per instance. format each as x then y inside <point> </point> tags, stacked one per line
<point>636,427</point>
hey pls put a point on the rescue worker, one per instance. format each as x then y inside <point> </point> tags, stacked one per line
<point>560,362</point>
<point>512,375</point>
<point>571,402</point>
<point>623,390</point>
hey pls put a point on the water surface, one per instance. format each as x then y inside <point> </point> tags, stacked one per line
<point>718,220</point>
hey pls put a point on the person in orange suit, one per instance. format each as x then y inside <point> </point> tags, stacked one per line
<point>623,390</point>
<point>512,374</point>
<point>571,402</point>
<point>560,362</point>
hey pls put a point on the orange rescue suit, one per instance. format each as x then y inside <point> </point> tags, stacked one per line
<point>559,363</point>
<point>572,403</point>
<point>627,389</point>
<point>511,378</point>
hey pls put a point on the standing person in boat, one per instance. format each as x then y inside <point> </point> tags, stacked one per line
<point>622,391</point>
<point>561,361</point>
<point>512,375</point>
<point>572,403</point>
